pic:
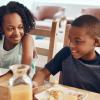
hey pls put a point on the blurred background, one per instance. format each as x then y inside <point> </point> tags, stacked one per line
<point>72,7</point>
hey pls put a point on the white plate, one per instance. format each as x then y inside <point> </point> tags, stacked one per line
<point>3,71</point>
<point>44,95</point>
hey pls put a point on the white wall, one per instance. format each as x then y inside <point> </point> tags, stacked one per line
<point>72,10</point>
<point>73,7</point>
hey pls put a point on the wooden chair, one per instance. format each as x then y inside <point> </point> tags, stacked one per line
<point>43,12</point>
<point>66,39</point>
<point>49,32</point>
<point>65,43</point>
<point>91,11</point>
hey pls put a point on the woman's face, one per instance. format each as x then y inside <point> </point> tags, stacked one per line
<point>13,28</point>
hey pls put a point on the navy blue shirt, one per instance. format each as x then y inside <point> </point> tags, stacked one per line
<point>76,72</point>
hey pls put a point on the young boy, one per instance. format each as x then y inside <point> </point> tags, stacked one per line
<point>79,63</point>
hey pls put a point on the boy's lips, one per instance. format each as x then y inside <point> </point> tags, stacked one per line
<point>75,54</point>
<point>73,51</point>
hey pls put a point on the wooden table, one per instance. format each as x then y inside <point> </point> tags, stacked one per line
<point>4,90</point>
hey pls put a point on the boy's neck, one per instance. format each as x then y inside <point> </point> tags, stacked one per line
<point>89,57</point>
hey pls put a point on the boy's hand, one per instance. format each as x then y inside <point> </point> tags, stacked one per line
<point>41,76</point>
<point>35,87</point>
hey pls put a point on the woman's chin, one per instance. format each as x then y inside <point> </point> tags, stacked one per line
<point>16,41</point>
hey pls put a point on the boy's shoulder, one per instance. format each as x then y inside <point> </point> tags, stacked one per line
<point>98,58</point>
<point>65,51</point>
<point>66,48</point>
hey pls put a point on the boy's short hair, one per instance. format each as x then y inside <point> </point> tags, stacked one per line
<point>91,23</point>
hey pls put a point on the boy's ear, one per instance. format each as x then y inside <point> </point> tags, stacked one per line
<point>97,41</point>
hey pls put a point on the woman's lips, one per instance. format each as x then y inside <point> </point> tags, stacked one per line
<point>15,38</point>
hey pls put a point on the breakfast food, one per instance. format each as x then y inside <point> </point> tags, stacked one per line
<point>56,94</point>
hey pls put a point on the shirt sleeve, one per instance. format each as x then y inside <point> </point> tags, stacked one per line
<point>55,65</point>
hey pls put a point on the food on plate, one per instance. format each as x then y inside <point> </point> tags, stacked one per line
<point>58,92</point>
<point>70,97</point>
<point>60,95</point>
<point>55,95</point>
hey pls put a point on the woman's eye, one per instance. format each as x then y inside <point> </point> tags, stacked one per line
<point>21,27</point>
<point>10,29</point>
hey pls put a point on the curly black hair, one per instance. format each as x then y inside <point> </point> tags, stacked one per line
<point>16,7</point>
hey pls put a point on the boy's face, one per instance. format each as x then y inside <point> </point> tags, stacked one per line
<point>81,44</point>
<point>13,28</point>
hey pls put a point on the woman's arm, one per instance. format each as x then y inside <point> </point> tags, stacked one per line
<point>27,49</point>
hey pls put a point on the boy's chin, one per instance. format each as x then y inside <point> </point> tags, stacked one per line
<point>76,57</point>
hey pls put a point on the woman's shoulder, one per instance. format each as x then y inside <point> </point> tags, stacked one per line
<point>27,38</point>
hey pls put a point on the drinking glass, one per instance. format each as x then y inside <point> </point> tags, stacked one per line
<point>20,84</point>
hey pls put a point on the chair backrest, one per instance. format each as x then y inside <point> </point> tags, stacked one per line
<point>91,11</point>
<point>66,39</point>
<point>51,34</point>
<point>48,12</point>
<point>65,43</point>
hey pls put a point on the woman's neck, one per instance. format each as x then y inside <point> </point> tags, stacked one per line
<point>7,45</point>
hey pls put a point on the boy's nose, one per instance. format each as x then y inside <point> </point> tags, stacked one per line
<point>71,44</point>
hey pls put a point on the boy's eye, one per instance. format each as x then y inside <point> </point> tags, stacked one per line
<point>77,41</point>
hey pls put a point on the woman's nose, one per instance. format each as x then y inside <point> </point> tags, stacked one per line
<point>16,32</point>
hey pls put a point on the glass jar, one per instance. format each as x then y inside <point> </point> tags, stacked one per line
<point>20,85</point>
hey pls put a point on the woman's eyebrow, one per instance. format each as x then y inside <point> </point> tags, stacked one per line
<point>10,25</point>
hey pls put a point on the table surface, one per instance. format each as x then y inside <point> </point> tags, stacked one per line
<point>4,90</point>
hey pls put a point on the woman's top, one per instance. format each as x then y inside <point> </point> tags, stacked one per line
<point>12,57</point>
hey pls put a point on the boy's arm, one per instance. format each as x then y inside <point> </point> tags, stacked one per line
<point>41,75</point>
